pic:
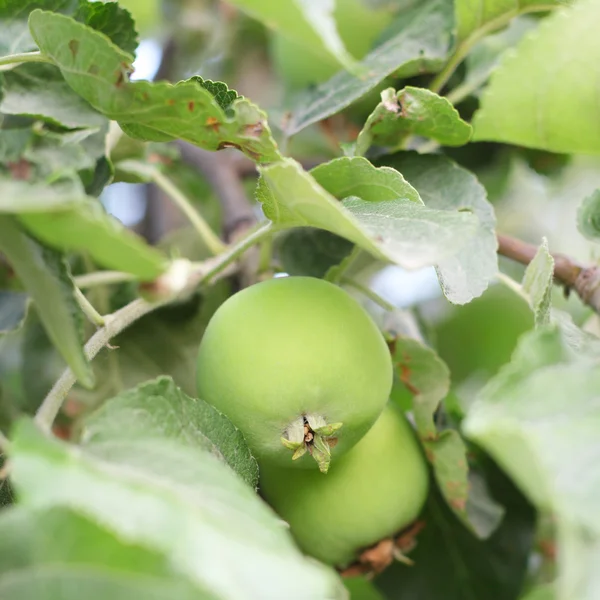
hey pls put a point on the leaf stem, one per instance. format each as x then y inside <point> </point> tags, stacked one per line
<point>467,44</point>
<point>90,280</point>
<point>86,306</point>
<point>114,324</point>
<point>369,293</point>
<point>210,238</point>
<point>17,59</point>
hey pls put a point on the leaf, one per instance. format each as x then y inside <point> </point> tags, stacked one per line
<point>13,310</point>
<point>109,18</point>
<point>63,217</point>
<point>588,217</point>
<point>539,419</point>
<point>540,96</point>
<point>309,23</point>
<point>174,500</point>
<point>427,378</point>
<point>99,72</point>
<point>474,17</point>
<point>412,111</point>
<point>537,283</point>
<point>465,567</point>
<point>311,252</point>
<point>46,278</point>
<point>444,185</point>
<point>487,54</point>
<point>39,91</point>
<point>420,44</point>
<point>394,226</point>
<point>159,409</point>
<point>542,592</point>
<point>58,554</point>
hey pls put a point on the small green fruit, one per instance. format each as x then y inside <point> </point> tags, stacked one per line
<point>370,493</point>
<point>298,366</point>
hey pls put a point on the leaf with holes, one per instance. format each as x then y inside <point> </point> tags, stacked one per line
<point>99,72</point>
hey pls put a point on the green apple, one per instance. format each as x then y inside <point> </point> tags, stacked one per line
<point>298,366</point>
<point>372,492</point>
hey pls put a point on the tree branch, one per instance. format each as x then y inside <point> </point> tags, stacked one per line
<point>585,280</point>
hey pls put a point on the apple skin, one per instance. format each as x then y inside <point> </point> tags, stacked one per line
<point>359,27</point>
<point>290,348</point>
<point>372,492</point>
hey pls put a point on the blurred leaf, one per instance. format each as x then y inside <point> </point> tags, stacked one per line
<point>412,111</point>
<point>539,419</point>
<point>312,252</point>
<point>312,24</point>
<point>465,567</point>
<point>62,216</point>
<point>39,91</point>
<point>588,217</point>
<point>474,17</point>
<point>160,112</point>
<point>543,592</point>
<point>537,283</point>
<point>13,310</point>
<point>419,44</point>
<point>108,18</point>
<point>159,409</point>
<point>176,501</point>
<point>360,588</point>
<point>57,554</point>
<point>394,225</point>
<point>427,378</point>
<point>487,54</point>
<point>46,278</point>
<point>564,118</point>
<point>444,185</point>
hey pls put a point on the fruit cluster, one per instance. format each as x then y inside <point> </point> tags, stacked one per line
<point>303,371</point>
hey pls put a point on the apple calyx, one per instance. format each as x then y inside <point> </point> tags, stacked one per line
<point>312,434</point>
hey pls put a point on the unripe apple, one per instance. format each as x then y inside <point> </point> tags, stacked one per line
<point>298,366</point>
<point>372,492</point>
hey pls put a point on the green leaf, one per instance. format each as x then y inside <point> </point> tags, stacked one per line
<point>57,554</point>
<point>540,95</point>
<point>444,185</point>
<point>108,17</point>
<point>393,225</point>
<point>159,409</point>
<point>412,111</point>
<point>588,217</point>
<point>419,44</point>
<point>174,500</point>
<point>311,24</point>
<point>427,378</point>
<point>13,310</point>
<point>474,17</point>
<point>537,283</point>
<point>99,72</point>
<point>62,216</point>
<point>542,592</point>
<point>46,278</point>
<point>312,252</point>
<point>39,91</point>
<point>466,567</point>
<point>539,419</point>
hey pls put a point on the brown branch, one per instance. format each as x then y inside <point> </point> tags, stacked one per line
<point>585,280</point>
